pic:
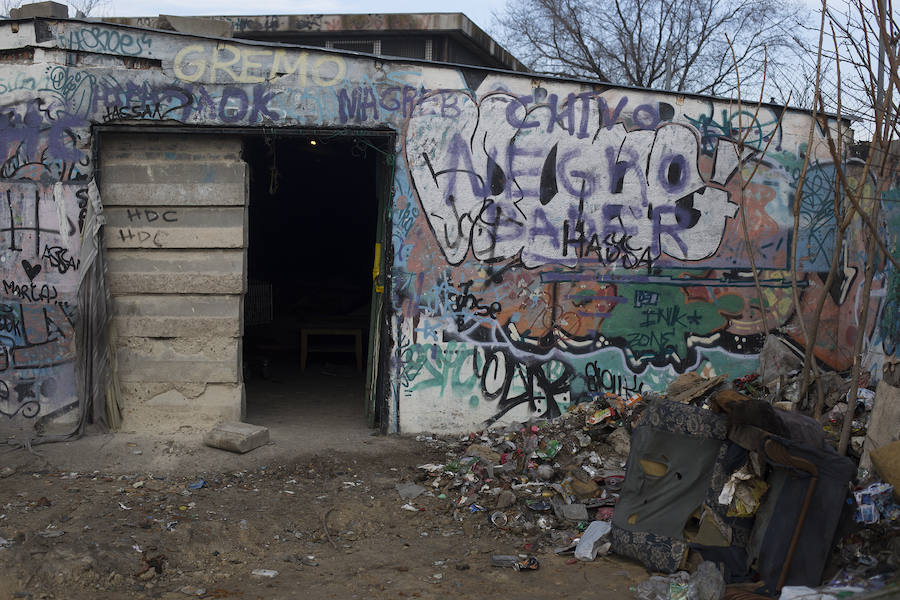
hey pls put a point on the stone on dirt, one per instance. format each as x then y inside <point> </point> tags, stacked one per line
<point>237,437</point>
<point>620,441</point>
<point>505,499</point>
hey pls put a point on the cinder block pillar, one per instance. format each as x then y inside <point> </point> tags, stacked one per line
<point>176,208</point>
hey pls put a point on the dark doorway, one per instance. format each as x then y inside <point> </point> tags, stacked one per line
<point>313,216</point>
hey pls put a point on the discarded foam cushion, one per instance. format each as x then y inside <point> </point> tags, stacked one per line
<point>676,465</point>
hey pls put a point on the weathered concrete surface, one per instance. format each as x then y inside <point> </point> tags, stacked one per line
<point>153,170</point>
<point>195,359</point>
<point>177,272</point>
<point>237,437</point>
<point>306,415</point>
<point>165,185</point>
<point>53,10</point>
<point>177,315</point>
<point>175,227</point>
<point>198,25</point>
<point>165,407</point>
<point>592,234</point>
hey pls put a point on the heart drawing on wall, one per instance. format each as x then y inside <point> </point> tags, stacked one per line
<point>30,269</point>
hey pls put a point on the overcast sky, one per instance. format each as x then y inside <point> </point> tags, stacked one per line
<point>478,11</point>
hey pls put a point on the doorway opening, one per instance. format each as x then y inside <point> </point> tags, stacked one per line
<point>317,207</point>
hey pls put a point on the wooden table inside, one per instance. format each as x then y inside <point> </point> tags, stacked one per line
<point>354,332</point>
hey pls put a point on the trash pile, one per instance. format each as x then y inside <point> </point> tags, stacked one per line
<point>546,478</point>
<point>866,553</point>
<point>768,469</point>
<point>779,384</point>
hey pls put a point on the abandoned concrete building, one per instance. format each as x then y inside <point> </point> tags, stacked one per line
<point>444,37</point>
<point>477,245</point>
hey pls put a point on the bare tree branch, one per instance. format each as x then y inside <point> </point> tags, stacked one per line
<point>646,42</point>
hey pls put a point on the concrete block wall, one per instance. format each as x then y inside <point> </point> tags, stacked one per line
<point>176,242</point>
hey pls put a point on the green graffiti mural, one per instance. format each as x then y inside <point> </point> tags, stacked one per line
<point>655,325</point>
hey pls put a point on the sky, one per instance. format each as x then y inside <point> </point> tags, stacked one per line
<point>478,11</point>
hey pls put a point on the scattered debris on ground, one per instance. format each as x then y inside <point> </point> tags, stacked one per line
<point>704,486</point>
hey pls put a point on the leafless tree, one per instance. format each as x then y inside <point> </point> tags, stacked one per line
<point>671,44</point>
<point>859,51</point>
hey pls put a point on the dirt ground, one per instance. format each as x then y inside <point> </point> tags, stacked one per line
<point>330,524</point>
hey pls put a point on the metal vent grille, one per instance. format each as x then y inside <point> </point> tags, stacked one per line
<point>258,306</point>
<point>405,48</point>
<point>369,46</point>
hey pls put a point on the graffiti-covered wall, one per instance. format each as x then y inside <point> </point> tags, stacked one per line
<point>551,240</point>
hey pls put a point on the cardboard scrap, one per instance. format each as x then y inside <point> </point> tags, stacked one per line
<point>886,461</point>
<point>690,386</point>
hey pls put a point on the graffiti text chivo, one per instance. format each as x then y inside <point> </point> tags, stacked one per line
<point>256,65</point>
<point>504,185</point>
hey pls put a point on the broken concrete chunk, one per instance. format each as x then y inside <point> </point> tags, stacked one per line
<point>620,441</point>
<point>237,437</point>
<point>593,541</point>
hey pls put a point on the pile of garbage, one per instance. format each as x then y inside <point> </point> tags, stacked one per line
<point>548,478</point>
<point>866,555</point>
<point>558,481</point>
